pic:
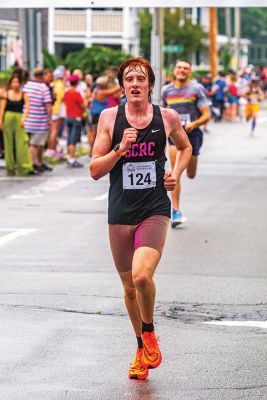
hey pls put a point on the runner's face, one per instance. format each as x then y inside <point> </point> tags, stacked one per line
<point>182,71</point>
<point>135,84</point>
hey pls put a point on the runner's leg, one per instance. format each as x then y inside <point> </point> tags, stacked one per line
<point>122,246</point>
<point>175,194</point>
<point>145,261</point>
<point>192,167</point>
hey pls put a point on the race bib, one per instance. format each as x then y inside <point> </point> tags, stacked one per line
<point>185,119</point>
<point>139,175</point>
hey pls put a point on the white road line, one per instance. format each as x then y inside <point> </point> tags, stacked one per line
<point>50,185</point>
<point>255,324</point>
<point>15,233</point>
<point>103,196</point>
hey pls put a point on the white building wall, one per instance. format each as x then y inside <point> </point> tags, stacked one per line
<point>89,26</point>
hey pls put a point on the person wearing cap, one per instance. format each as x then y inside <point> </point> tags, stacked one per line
<point>75,107</point>
<point>58,112</point>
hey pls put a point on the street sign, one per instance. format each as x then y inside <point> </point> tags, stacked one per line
<point>173,48</point>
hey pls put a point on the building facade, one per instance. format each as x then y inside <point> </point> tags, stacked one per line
<point>74,29</point>
<point>9,31</point>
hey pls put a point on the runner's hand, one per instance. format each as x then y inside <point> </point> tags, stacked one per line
<point>169,181</point>
<point>189,127</point>
<point>129,137</point>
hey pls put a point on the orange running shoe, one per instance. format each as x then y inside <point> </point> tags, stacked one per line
<point>151,357</point>
<point>137,370</point>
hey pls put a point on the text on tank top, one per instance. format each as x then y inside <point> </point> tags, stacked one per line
<point>136,181</point>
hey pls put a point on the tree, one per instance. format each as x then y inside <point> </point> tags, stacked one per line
<point>254,23</point>
<point>177,30</point>
<point>51,61</point>
<point>95,59</point>
<point>145,21</point>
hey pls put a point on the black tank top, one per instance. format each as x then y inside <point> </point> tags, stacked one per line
<point>136,181</point>
<point>15,106</point>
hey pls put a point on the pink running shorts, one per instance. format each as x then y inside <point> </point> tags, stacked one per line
<point>125,239</point>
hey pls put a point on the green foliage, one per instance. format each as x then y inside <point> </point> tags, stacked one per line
<point>225,56</point>
<point>51,61</point>
<point>145,20</point>
<point>254,23</point>
<point>95,59</point>
<point>188,35</point>
<point>4,77</point>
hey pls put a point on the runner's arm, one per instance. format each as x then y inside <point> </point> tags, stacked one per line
<point>181,141</point>
<point>203,119</point>
<point>103,157</point>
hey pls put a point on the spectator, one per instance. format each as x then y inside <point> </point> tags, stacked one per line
<point>37,122</point>
<point>17,155</point>
<point>75,107</point>
<point>218,91</point>
<point>232,97</point>
<point>112,83</point>
<point>58,113</point>
<point>81,87</point>
<point>99,103</point>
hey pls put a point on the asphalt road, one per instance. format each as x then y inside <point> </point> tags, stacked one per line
<point>64,330</point>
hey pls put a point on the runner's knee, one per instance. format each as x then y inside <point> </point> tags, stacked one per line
<point>130,292</point>
<point>141,280</point>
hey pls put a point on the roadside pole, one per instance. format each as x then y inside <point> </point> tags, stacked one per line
<point>213,30</point>
<point>156,51</point>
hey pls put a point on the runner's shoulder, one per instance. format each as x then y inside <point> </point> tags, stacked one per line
<point>169,115</point>
<point>108,113</point>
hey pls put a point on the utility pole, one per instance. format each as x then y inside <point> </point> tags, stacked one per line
<point>237,36</point>
<point>213,56</point>
<point>157,35</point>
<point>30,28</point>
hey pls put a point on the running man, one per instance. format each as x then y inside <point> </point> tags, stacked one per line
<point>254,96</point>
<point>130,145</point>
<point>190,101</point>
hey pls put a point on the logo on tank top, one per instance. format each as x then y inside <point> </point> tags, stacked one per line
<point>155,130</point>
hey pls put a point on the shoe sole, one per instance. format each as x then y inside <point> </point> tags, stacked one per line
<point>137,377</point>
<point>149,365</point>
<point>175,224</point>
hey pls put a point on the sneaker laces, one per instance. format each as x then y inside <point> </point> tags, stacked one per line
<point>152,341</point>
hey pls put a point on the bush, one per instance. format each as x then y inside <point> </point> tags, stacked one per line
<point>95,59</point>
<point>51,61</point>
<point>4,77</point>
